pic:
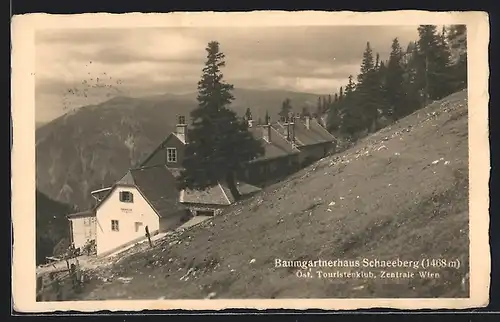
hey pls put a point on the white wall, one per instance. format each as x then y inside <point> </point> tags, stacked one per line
<point>127,214</point>
<point>83,229</point>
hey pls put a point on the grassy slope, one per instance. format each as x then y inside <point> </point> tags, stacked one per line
<point>408,207</point>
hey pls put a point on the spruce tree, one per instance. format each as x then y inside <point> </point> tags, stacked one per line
<point>414,80</point>
<point>319,107</point>
<point>333,117</point>
<point>305,112</point>
<point>324,104</point>
<point>286,109</point>
<point>368,93</point>
<point>395,88</point>
<point>367,64</point>
<point>349,89</point>
<point>248,114</point>
<point>351,113</point>
<point>218,143</point>
<point>457,40</point>
<point>386,110</point>
<point>433,63</point>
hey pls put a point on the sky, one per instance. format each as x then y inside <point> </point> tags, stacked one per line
<point>77,67</point>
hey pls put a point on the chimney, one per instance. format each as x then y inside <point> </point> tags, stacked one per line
<point>308,122</point>
<point>291,124</point>
<point>266,132</point>
<point>181,129</point>
<point>287,124</point>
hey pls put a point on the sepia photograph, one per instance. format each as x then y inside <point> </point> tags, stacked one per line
<point>238,159</point>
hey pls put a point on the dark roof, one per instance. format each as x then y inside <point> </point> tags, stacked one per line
<point>276,148</point>
<point>82,214</point>
<point>126,180</point>
<point>321,130</point>
<point>159,187</point>
<point>216,195</point>
<point>316,133</point>
<point>160,146</point>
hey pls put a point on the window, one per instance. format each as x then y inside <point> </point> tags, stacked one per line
<point>171,155</point>
<point>114,225</point>
<point>126,196</point>
<point>138,226</point>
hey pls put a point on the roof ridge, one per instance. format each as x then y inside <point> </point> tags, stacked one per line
<point>224,193</point>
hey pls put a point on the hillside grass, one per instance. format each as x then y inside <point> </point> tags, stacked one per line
<point>400,193</point>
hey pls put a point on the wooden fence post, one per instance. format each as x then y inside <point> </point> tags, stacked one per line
<point>148,235</point>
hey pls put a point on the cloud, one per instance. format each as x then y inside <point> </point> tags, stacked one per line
<point>145,61</point>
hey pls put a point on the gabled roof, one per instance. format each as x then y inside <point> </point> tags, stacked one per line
<point>159,188</point>
<point>216,195</point>
<point>276,148</point>
<point>126,180</point>
<point>156,184</point>
<point>219,194</point>
<point>159,147</point>
<point>316,134</point>
<point>321,130</point>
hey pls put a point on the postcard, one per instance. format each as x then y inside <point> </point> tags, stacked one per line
<point>267,160</point>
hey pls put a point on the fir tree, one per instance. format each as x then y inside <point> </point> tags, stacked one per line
<point>414,80</point>
<point>319,107</point>
<point>267,119</point>
<point>305,111</point>
<point>248,114</point>
<point>219,143</point>
<point>286,109</point>
<point>324,105</point>
<point>367,64</point>
<point>368,93</point>
<point>457,40</point>
<point>350,113</point>
<point>351,86</point>
<point>395,87</point>
<point>433,63</point>
<point>333,117</point>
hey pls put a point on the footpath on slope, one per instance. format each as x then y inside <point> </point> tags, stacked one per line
<point>401,193</point>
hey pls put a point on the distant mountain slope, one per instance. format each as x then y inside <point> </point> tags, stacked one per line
<point>51,225</point>
<point>259,101</point>
<point>95,145</point>
<point>399,194</point>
